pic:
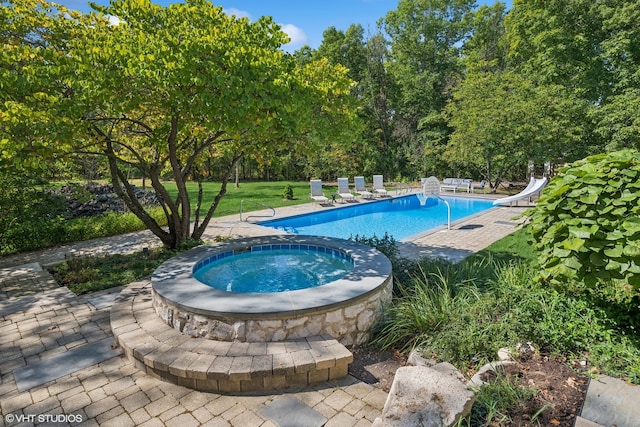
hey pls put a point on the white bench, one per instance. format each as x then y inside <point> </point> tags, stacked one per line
<point>455,184</point>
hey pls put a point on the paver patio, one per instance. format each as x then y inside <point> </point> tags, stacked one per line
<point>41,321</point>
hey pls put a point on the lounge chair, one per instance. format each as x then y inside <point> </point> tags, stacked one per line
<point>482,186</point>
<point>316,191</point>
<point>361,189</point>
<point>378,185</point>
<point>343,189</point>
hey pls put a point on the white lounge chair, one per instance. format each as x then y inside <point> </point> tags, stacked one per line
<point>343,189</point>
<point>316,191</point>
<point>378,185</point>
<point>482,186</point>
<point>361,190</point>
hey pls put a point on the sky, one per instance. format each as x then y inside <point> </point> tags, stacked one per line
<point>304,21</point>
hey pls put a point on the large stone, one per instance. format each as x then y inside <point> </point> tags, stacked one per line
<point>415,359</point>
<point>422,396</point>
<point>478,381</point>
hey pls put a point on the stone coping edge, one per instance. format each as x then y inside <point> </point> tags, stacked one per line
<point>174,283</point>
<point>219,366</point>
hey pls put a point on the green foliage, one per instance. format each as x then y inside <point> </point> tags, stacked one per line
<point>495,399</point>
<point>165,92</point>
<point>24,201</point>
<point>464,313</point>
<point>501,120</point>
<point>288,192</point>
<point>41,231</point>
<point>89,274</point>
<point>587,224</point>
<point>386,244</point>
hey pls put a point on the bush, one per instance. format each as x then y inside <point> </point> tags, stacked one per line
<point>288,192</point>
<point>24,206</point>
<point>586,225</point>
<point>40,232</point>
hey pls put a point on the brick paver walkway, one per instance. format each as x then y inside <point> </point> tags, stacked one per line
<point>40,321</point>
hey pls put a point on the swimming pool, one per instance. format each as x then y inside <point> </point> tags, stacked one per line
<point>400,217</point>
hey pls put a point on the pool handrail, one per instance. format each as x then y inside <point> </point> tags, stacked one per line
<point>257,216</point>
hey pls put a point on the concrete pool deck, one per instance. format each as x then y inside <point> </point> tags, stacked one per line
<point>46,328</point>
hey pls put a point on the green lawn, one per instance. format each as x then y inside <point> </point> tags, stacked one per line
<point>254,194</point>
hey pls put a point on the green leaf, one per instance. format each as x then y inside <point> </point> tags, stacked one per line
<point>597,260</point>
<point>632,249</point>
<point>561,253</point>
<point>632,224</point>
<point>574,244</point>
<point>589,199</point>
<point>614,252</point>
<point>634,280</point>
<point>583,232</point>
<point>573,263</point>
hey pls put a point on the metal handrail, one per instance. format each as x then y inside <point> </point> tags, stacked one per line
<point>402,187</point>
<point>257,216</point>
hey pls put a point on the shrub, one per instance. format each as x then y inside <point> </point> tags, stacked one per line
<point>288,192</point>
<point>24,206</point>
<point>41,232</point>
<point>586,225</point>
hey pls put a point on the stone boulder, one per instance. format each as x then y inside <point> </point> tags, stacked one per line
<point>426,396</point>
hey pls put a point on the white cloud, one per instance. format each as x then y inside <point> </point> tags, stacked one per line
<point>113,20</point>
<point>297,36</point>
<point>237,12</point>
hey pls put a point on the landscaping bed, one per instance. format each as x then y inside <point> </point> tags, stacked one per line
<point>556,398</point>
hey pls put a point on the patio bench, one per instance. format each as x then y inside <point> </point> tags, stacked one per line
<point>456,184</point>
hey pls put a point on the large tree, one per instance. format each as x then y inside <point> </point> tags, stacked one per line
<point>502,120</point>
<point>424,60</point>
<point>164,88</point>
<point>618,121</point>
<point>591,48</point>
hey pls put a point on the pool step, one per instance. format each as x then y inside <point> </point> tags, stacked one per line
<point>219,366</point>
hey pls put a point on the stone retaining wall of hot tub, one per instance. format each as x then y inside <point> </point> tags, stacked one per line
<point>350,324</point>
<point>347,308</point>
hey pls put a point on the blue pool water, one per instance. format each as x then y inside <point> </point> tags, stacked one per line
<point>400,217</point>
<point>274,270</point>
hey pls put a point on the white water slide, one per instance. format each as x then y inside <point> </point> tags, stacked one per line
<point>534,186</point>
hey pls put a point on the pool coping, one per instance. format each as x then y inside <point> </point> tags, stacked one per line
<point>409,238</point>
<point>173,281</point>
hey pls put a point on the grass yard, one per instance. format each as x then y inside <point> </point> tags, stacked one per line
<point>255,193</point>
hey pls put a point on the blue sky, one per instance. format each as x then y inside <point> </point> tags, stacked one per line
<point>304,21</point>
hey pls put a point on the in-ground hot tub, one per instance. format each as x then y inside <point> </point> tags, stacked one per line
<point>346,308</point>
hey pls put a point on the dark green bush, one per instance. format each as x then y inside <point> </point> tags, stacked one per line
<point>288,192</point>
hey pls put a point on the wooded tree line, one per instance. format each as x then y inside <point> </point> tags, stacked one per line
<point>448,89</point>
<point>186,92</point>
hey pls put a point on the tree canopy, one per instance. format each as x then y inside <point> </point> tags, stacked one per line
<point>165,88</point>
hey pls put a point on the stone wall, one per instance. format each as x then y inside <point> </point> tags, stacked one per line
<point>351,323</point>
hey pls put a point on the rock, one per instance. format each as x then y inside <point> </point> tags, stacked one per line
<point>423,396</point>
<point>446,368</point>
<point>477,380</point>
<point>415,359</point>
<point>96,199</point>
<point>505,354</point>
